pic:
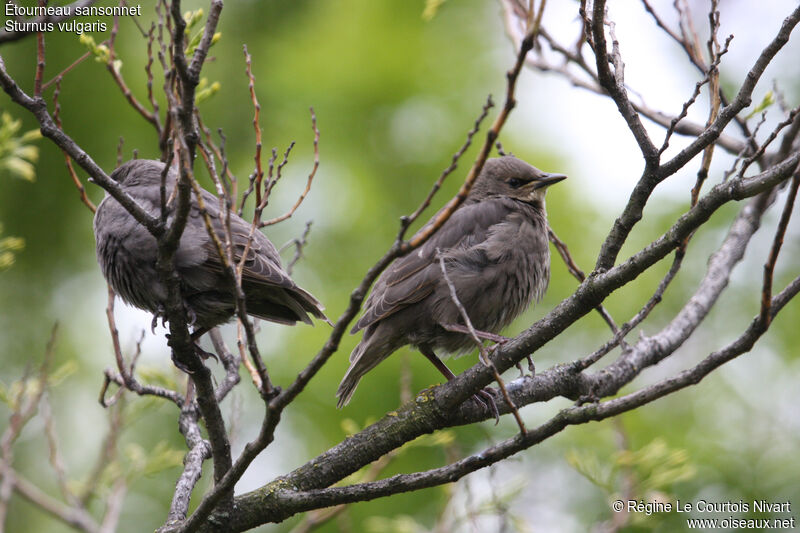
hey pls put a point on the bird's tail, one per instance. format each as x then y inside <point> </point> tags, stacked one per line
<point>310,304</point>
<point>364,358</point>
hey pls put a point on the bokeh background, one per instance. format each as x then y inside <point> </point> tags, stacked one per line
<point>395,93</point>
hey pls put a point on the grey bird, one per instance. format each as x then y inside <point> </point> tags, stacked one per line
<point>496,254</point>
<point>127,255</point>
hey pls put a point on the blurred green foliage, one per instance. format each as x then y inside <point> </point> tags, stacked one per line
<point>8,247</point>
<point>395,87</point>
<point>17,155</point>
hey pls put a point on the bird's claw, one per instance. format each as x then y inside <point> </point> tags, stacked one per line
<point>484,397</point>
<point>160,312</point>
<point>204,355</point>
<point>587,398</point>
<point>191,315</point>
<point>180,365</point>
<point>201,353</point>
<point>531,368</point>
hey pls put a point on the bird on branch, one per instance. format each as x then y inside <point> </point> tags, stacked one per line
<point>127,253</point>
<point>496,254</point>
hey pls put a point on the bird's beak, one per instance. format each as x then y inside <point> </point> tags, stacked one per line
<point>547,180</point>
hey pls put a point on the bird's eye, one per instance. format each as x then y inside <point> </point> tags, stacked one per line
<point>516,183</point>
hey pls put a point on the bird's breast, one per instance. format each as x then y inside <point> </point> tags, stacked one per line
<point>498,278</point>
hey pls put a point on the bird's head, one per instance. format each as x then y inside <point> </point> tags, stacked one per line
<point>138,172</point>
<point>513,178</point>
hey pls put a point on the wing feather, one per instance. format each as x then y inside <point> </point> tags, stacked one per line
<point>262,270</point>
<point>415,276</point>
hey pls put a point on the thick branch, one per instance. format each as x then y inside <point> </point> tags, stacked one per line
<point>38,107</point>
<point>439,407</point>
<point>651,177</point>
<point>284,499</point>
<point>614,83</point>
<point>288,501</point>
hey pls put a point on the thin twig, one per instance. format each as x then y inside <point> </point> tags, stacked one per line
<point>406,221</point>
<point>481,348</point>
<point>777,242</point>
<point>308,181</point>
<point>259,170</point>
<point>578,274</point>
<point>116,75</point>
<point>56,460</point>
<point>126,378</point>
<point>298,243</point>
<point>67,159</point>
<point>790,119</point>
<point>628,326</point>
<point>40,61</point>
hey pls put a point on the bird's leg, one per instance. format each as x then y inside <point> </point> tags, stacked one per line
<point>531,367</point>
<point>190,395</point>
<point>499,339</point>
<point>159,313</point>
<point>485,335</point>
<point>199,332</point>
<point>483,396</point>
<point>182,367</point>
<point>190,314</point>
<point>195,336</point>
<point>201,353</point>
<point>438,363</point>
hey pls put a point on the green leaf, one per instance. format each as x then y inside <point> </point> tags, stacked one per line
<point>192,18</point>
<point>157,376</point>
<point>8,247</point>
<point>4,397</point>
<point>62,372</point>
<point>17,155</point>
<point>19,167</point>
<point>431,9</point>
<point>350,426</point>
<point>141,462</point>
<point>766,102</point>
<point>204,94</point>
<point>589,466</point>
<point>32,135</point>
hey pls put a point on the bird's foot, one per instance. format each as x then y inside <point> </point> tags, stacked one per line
<point>587,398</point>
<point>190,314</point>
<point>484,397</point>
<point>204,355</point>
<point>484,335</point>
<point>531,368</point>
<point>183,367</point>
<point>201,353</point>
<point>160,312</point>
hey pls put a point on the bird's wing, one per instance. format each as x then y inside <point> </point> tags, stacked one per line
<point>415,276</point>
<point>262,269</point>
<point>262,263</point>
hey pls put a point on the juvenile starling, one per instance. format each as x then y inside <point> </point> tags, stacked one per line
<point>496,254</point>
<point>127,255</point>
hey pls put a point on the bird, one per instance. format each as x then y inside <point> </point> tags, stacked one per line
<point>496,254</point>
<point>127,254</point>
